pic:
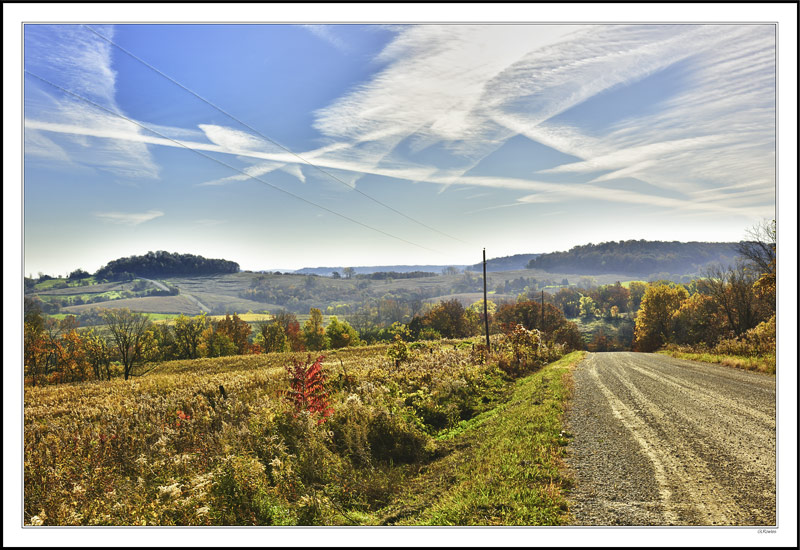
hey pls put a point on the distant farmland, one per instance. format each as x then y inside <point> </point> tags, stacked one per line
<point>148,304</point>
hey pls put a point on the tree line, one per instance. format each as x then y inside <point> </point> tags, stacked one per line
<point>637,257</point>
<point>163,264</point>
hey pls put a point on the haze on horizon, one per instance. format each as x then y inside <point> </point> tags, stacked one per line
<point>436,140</point>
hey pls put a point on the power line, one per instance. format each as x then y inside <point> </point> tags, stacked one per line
<point>89,101</point>
<point>305,161</point>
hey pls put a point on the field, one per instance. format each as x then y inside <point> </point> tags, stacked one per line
<point>148,304</point>
<point>215,442</point>
<point>221,294</point>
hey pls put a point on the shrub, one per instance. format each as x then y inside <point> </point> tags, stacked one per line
<point>398,351</point>
<point>526,350</point>
<point>241,495</point>
<point>307,388</point>
<point>393,440</point>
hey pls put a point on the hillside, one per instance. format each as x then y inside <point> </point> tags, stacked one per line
<point>506,263</point>
<point>637,258</point>
<point>365,270</point>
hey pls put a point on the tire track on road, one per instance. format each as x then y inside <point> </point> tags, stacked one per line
<point>655,445</point>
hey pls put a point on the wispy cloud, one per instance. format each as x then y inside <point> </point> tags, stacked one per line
<point>74,58</point>
<point>129,218</point>
<point>462,91</point>
<point>328,34</point>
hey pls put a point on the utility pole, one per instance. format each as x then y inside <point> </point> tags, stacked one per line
<point>485,303</point>
<point>541,326</point>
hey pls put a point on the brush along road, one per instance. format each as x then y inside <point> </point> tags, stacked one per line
<point>663,441</point>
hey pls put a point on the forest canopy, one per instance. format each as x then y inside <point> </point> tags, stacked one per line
<point>637,257</point>
<point>163,264</point>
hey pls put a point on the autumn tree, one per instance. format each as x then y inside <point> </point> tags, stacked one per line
<point>654,320</point>
<point>215,342</point>
<point>529,314</point>
<point>732,290</point>
<point>98,353</point>
<point>340,334</point>
<point>273,337</point>
<point>449,318</point>
<point>237,330</point>
<point>697,321</point>
<point>291,327</point>
<point>636,290</point>
<point>587,306</point>
<point>128,333</point>
<point>314,331</point>
<point>188,335</point>
<point>568,300</point>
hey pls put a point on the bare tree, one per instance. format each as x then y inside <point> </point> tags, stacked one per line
<point>732,290</point>
<point>128,332</point>
<point>760,249</point>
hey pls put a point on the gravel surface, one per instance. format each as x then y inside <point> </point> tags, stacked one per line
<point>664,441</point>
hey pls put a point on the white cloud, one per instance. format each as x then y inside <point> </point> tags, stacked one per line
<point>129,218</point>
<point>77,60</point>
<point>469,88</point>
<point>328,34</point>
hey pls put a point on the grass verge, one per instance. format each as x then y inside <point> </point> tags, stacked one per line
<point>765,364</point>
<point>504,466</point>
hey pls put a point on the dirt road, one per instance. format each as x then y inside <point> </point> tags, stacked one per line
<point>662,441</point>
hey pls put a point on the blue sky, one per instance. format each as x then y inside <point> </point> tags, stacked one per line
<point>517,138</point>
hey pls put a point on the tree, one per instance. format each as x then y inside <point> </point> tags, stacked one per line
<point>448,318</point>
<point>273,337</point>
<point>188,335</point>
<point>587,306</point>
<point>636,290</point>
<point>732,290</point>
<point>654,320</point>
<point>237,330</point>
<point>98,354</point>
<point>216,343</point>
<point>568,300</point>
<point>314,331</point>
<point>128,332</point>
<point>79,274</point>
<point>697,321</point>
<point>348,272</point>
<point>340,334</point>
<point>760,249</point>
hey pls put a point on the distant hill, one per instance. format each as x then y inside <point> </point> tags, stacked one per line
<point>506,263</point>
<point>327,271</point>
<point>637,258</point>
<point>163,264</point>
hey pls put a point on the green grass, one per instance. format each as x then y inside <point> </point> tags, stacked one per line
<point>506,465</point>
<point>764,364</point>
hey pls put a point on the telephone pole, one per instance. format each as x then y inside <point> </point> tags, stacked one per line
<point>485,303</point>
<point>541,327</point>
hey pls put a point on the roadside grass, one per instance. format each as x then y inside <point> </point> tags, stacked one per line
<point>505,466</point>
<point>765,364</point>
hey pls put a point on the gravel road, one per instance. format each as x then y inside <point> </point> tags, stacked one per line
<point>663,441</point>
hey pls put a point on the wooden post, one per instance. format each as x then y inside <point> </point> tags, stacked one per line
<point>485,303</point>
<point>541,326</point>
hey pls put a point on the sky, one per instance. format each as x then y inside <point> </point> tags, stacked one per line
<point>281,146</point>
